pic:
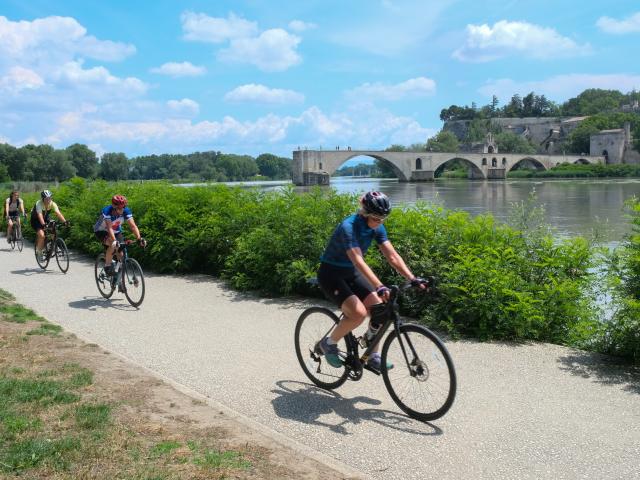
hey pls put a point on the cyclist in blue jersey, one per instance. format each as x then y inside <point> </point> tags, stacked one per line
<point>345,277</point>
<point>108,228</point>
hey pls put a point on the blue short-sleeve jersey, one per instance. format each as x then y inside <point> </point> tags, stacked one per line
<point>109,213</point>
<point>351,233</point>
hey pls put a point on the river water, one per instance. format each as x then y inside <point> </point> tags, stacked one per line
<point>572,206</point>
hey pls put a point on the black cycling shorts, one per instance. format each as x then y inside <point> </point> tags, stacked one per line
<point>339,283</point>
<point>35,223</point>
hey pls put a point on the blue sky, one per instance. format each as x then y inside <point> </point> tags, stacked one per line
<point>255,76</point>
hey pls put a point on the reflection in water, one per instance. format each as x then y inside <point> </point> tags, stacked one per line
<point>573,207</point>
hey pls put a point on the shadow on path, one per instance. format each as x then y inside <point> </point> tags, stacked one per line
<point>306,403</point>
<point>602,369</point>
<point>94,303</point>
<point>34,271</point>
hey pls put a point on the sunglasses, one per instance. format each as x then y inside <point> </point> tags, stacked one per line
<point>378,219</point>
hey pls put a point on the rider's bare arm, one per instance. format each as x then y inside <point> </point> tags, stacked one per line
<point>355,255</point>
<point>134,228</point>
<point>395,260</point>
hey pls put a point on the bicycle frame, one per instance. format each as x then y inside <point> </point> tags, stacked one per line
<point>122,249</point>
<point>393,318</point>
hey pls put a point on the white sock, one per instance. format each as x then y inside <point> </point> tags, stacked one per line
<point>331,341</point>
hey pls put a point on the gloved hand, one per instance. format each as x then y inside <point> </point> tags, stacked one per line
<point>383,292</point>
<point>142,242</point>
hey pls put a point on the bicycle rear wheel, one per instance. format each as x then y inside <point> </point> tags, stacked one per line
<point>43,259</point>
<point>103,281</point>
<point>133,282</point>
<point>62,255</point>
<point>313,325</point>
<point>426,387</point>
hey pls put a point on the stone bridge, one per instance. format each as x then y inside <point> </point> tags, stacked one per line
<point>313,167</point>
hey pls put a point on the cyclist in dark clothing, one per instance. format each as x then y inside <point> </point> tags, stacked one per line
<point>345,277</point>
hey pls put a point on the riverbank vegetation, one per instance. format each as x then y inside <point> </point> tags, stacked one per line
<point>497,281</point>
<point>572,170</point>
<point>47,164</point>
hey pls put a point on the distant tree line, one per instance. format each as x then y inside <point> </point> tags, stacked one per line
<point>589,102</point>
<point>45,163</point>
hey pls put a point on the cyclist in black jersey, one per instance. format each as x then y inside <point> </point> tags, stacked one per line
<point>345,277</point>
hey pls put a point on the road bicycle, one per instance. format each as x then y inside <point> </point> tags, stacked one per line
<point>127,276</point>
<point>53,246</point>
<point>15,239</point>
<point>422,381</point>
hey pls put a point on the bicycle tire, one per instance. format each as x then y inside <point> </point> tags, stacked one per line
<point>431,378</point>
<point>42,263</point>
<point>62,255</point>
<point>313,324</point>
<point>132,276</point>
<point>103,281</point>
<point>19,239</point>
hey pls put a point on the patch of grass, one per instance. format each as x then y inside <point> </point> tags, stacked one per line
<point>217,459</point>
<point>14,390</point>
<point>14,424</point>
<point>19,314</point>
<point>16,370</point>
<point>6,296</point>
<point>165,447</point>
<point>83,378</point>
<point>46,329</point>
<point>32,452</point>
<point>92,416</point>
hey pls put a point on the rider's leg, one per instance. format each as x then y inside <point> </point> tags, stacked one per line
<point>373,299</point>
<point>40,240</point>
<point>354,314</point>
<point>9,228</point>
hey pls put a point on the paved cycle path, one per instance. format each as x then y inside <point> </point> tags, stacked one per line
<point>522,411</point>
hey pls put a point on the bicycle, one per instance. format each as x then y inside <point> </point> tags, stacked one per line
<point>422,368</point>
<point>15,239</point>
<point>129,280</point>
<point>53,246</point>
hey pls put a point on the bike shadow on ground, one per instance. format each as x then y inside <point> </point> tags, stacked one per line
<point>306,403</point>
<point>95,303</point>
<point>35,271</point>
<point>602,369</point>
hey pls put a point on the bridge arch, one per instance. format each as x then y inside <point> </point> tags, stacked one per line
<point>474,170</point>
<point>527,160</point>
<point>582,161</point>
<point>396,170</point>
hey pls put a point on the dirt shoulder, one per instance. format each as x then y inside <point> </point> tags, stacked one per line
<point>151,430</point>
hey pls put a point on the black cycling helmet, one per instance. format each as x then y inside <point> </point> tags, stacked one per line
<point>46,194</point>
<point>376,203</point>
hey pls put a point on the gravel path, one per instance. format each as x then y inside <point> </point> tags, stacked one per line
<point>522,411</point>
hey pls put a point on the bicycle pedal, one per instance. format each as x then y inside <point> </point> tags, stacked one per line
<point>371,369</point>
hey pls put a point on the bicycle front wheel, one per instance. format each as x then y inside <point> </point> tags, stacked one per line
<point>424,384</point>
<point>62,255</point>
<point>133,282</point>
<point>12,238</point>
<point>103,281</point>
<point>44,257</point>
<point>314,324</point>
<point>19,239</point>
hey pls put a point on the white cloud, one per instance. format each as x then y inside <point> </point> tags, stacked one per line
<point>183,69</point>
<point>20,78</point>
<point>186,105</point>
<point>5,140</point>
<point>631,24</point>
<point>46,39</point>
<point>203,28</point>
<point>73,74</point>
<point>560,87</point>
<point>367,127</point>
<point>300,26</point>
<point>414,87</point>
<point>485,43</point>
<point>262,94</point>
<point>273,50</point>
